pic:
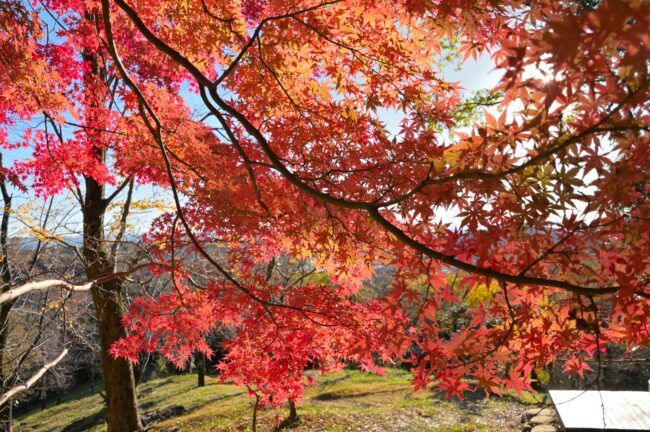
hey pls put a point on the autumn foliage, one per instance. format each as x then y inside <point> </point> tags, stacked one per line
<point>266,121</point>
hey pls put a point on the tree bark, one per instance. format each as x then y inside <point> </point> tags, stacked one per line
<point>255,407</point>
<point>109,304</point>
<point>5,308</point>
<point>293,413</point>
<point>292,419</point>
<point>5,410</point>
<point>9,417</point>
<point>200,368</point>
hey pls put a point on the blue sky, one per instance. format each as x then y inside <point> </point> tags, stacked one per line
<point>473,75</point>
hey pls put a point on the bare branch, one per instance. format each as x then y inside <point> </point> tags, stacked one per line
<point>30,382</point>
<point>123,218</point>
<point>16,292</point>
<point>128,181</point>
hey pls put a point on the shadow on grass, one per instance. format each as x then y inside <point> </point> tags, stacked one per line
<point>86,423</point>
<point>334,395</point>
<point>332,381</point>
<point>471,402</point>
<point>229,396</point>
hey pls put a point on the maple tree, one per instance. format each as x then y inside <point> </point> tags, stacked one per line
<point>53,73</point>
<point>536,216</point>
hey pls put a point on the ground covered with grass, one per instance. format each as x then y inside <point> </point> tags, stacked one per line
<point>346,401</point>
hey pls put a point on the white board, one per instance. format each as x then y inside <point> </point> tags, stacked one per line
<point>603,410</point>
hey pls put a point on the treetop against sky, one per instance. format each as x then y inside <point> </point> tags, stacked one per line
<point>333,132</point>
<point>473,75</point>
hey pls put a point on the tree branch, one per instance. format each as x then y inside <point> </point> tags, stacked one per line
<point>16,292</point>
<point>30,382</point>
<point>128,181</point>
<point>123,218</point>
<point>370,207</point>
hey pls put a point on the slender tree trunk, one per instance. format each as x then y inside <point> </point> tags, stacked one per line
<point>200,367</point>
<point>293,413</point>
<point>108,298</point>
<point>5,410</point>
<point>255,407</point>
<point>536,385</point>
<point>9,426</point>
<point>293,417</point>
<point>5,308</point>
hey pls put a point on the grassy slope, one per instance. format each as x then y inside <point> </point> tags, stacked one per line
<point>347,401</point>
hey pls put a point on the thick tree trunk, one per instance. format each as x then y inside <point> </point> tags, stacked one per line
<point>119,380</point>
<point>200,367</point>
<point>108,298</point>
